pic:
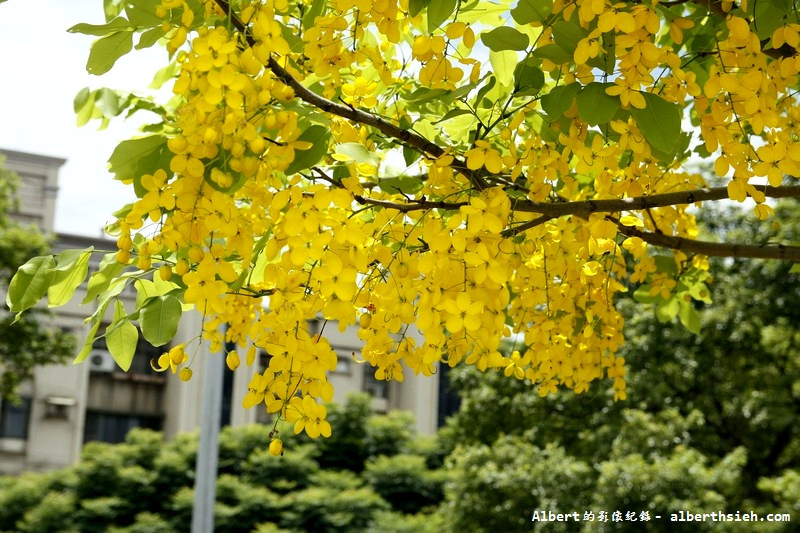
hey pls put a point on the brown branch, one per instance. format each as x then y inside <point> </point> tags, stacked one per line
<point>411,206</point>
<point>713,249</point>
<point>406,137</point>
<point>516,230</point>
<point>587,207</point>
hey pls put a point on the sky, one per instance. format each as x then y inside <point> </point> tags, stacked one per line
<point>42,67</point>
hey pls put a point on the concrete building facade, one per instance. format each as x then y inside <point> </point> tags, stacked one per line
<point>65,406</point>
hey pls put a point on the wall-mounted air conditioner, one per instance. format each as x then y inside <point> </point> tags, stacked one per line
<point>101,361</point>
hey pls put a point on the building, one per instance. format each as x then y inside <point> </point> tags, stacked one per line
<point>65,406</point>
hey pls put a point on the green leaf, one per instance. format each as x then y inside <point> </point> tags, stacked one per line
<point>768,18</point>
<point>423,94</point>
<point>528,77</point>
<point>116,25</point>
<point>319,138</point>
<point>594,105</point>
<point>503,64</point>
<point>317,9</point>
<point>84,106</point>
<point>567,35</point>
<point>410,155</point>
<point>606,61</point>
<point>292,39</point>
<point>665,264</point>
<point>127,154</point>
<point>700,292</point>
<point>149,38</point>
<point>528,11</point>
<point>453,113</point>
<point>121,337</point>
<point>402,184</point>
<point>505,38</point>
<point>73,265</point>
<point>643,296</point>
<point>559,100</point>
<point>112,8</point>
<point>164,74</point>
<point>415,6</point>
<point>88,344</point>
<point>660,123</point>
<point>30,283</point>
<point>107,50</point>
<point>145,291</point>
<point>107,101</point>
<point>159,319</point>
<point>108,269</point>
<point>358,153</point>
<point>81,99</point>
<point>439,11</point>
<point>142,13</point>
<point>554,53</point>
<point>490,83</point>
<point>668,310</point>
<point>689,317</point>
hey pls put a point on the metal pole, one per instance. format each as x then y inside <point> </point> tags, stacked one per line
<point>205,483</point>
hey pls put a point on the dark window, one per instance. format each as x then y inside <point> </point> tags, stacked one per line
<point>112,427</point>
<point>376,388</point>
<point>14,419</point>
<point>145,352</point>
<point>262,417</point>
<point>449,400</point>
<point>227,390</point>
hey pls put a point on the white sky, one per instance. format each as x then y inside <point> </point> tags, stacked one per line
<point>42,67</point>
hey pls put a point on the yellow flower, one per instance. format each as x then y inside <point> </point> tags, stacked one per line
<point>360,93</point>
<point>464,313</point>
<point>232,360</point>
<point>627,94</point>
<point>171,360</point>
<point>308,415</point>
<point>276,447</point>
<point>484,155</point>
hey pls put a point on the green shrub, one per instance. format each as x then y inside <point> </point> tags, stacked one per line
<point>145,523</point>
<point>281,474</point>
<point>328,510</point>
<point>405,482</point>
<point>18,495</point>
<point>52,514</point>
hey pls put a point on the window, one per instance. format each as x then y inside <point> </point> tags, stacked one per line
<point>14,419</point>
<point>112,427</point>
<point>376,388</point>
<point>343,359</point>
<point>262,417</point>
<point>145,352</point>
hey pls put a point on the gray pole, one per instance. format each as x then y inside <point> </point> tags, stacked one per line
<point>205,482</point>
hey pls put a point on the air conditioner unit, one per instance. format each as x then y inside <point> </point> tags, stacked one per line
<point>101,361</point>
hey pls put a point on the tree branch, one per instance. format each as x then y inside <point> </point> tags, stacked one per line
<point>713,249</point>
<point>406,137</point>
<point>411,206</point>
<point>516,230</point>
<point>587,207</point>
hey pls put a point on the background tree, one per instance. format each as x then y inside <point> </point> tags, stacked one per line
<point>145,484</point>
<point>471,170</point>
<point>710,422</point>
<point>25,343</point>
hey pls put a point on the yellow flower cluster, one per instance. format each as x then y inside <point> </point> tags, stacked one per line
<point>263,195</point>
